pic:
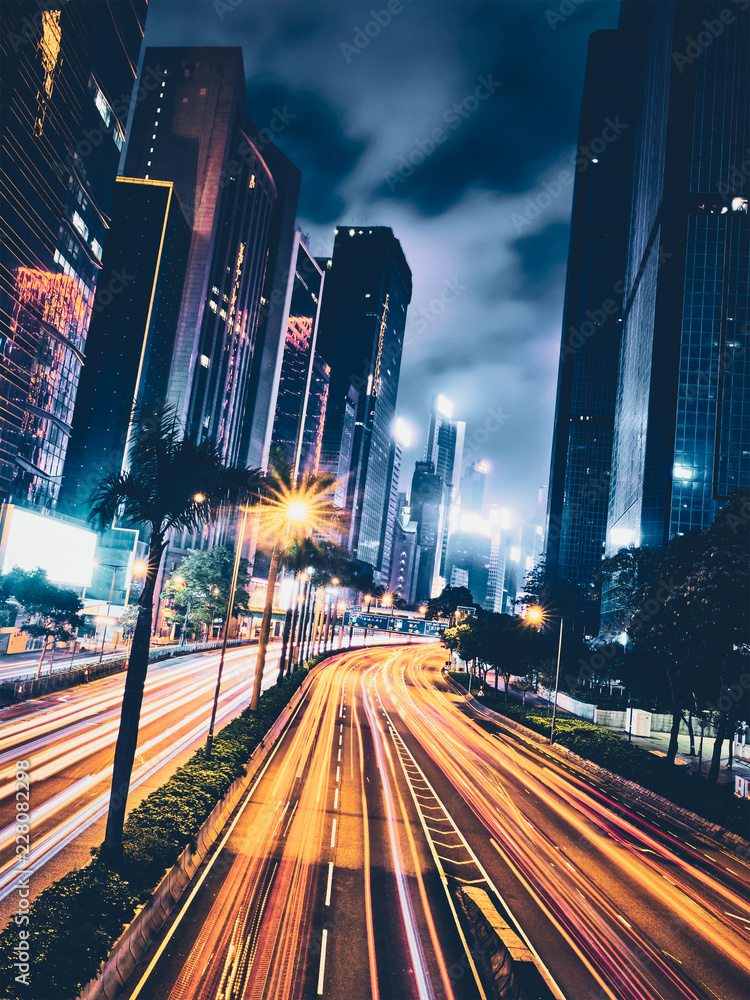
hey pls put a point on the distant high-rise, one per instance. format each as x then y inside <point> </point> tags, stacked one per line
<point>445,442</point>
<point>67,78</point>
<point>404,553</point>
<point>361,334</point>
<point>132,332</point>
<point>590,347</point>
<point>682,421</point>
<point>400,438</point>
<point>426,504</point>
<point>472,489</point>
<point>470,552</point>
<point>194,130</point>
<point>299,373</point>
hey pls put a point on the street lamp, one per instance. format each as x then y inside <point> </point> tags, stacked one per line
<point>423,609</point>
<point>535,615</point>
<point>230,603</point>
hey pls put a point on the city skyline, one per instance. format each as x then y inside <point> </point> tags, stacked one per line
<point>496,284</point>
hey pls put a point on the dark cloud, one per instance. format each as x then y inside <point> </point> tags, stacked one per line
<point>543,258</point>
<point>359,112</point>
<point>313,135</point>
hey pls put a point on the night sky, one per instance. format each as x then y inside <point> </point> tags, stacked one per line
<point>495,88</point>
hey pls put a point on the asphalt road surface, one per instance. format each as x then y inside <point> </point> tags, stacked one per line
<point>339,872</point>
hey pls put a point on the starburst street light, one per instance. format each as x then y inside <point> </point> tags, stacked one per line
<point>291,511</point>
<point>537,615</point>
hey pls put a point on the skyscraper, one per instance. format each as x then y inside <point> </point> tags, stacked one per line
<point>682,420</point>
<point>472,488</point>
<point>368,289</point>
<point>445,442</point>
<point>590,346</point>
<point>194,130</point>
<point>67,82</point>
<point>299,370</point>
<point>426,504</point>
<point>400,439</point>
<point>131,335</point>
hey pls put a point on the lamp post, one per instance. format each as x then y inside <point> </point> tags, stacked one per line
<point>537,615</point>
<point>230,603</point>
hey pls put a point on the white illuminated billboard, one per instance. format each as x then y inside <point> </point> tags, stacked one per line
<point>65,551</point>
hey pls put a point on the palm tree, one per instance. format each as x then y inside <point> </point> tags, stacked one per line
<point>171,484</point>
<point>294,510</point>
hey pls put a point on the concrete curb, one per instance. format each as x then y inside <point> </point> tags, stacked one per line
<point>148,921</point>
<point>669,810</point>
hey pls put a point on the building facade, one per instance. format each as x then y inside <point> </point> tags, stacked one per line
<point>67,80</point>
<point>682,420</point>
<point>592,324</point>
<point>132,332</point>
<point>194,131</point>
<point>361,334</point>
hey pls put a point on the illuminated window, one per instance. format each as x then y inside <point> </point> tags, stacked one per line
<point>223,313</point>
<point>214,289</point>
<point>149,163</point>
<point>102,107</point>
<point>97,248</point>
<point>158,110</point>
<point>205,361</point>
<point>80,225</point>
<point>252,180</point>
<point>203,91</point>
<point>151,150</point>
<point>117,136</point>
<point>212,306</point>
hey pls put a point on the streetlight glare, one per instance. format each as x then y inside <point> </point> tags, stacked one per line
<point>535,614</point>
<point>297,511</point>
<point>423,609</point>
<point>199,497</point>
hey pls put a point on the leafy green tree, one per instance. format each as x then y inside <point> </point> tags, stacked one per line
<point>199,588</point>
<point>128,621</point>
<point>172,484</point>
<point>445,605</point>
<point>504,641</point>
<point>49,611</point>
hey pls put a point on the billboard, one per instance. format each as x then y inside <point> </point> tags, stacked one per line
<point>30,540</point>
<point>394,623</point>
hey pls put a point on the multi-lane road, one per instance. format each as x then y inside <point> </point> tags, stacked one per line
<point>340,873</point>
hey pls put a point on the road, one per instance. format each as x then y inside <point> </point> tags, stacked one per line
<point>338,876</point>
<point>68,737</point>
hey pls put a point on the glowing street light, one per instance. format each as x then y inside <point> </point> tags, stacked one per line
<point>423,609</point>
<point>536,615</point>
<point>199,497</point>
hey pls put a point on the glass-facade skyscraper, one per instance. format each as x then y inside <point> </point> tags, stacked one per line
<point>302,370</point>
<point>591,329</point>
<point>682,422</point>
<point>367,292</point>
<point>67,79</point>
<point>193,130</point>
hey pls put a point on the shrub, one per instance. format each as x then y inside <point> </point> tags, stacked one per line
<point>75,921</point>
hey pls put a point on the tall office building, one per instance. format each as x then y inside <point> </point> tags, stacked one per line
<point>193,130</point>
<point>67,79</point>
<point>404,553</point>
<point>302,370</point>
<point>590,346</point>
<point>131,335</point>
<point>400,439</point>
<point>445,442</point>
<point>426,503</point>
<point>361,334</point>
<point>472,489</point>
<point>470,552</point>
<point>682,420</point>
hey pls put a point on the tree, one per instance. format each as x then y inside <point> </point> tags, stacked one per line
<point>503,642</point>
<point>199,588</point>
<point>128,621</point>
<point>445,605</point>
<point>51,612</point>
<point>172,484</point>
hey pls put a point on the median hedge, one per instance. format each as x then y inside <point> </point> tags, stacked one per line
<point>74,922</point>
<point>717,804</point>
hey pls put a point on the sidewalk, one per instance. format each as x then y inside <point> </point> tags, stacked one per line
<point>658,742</point>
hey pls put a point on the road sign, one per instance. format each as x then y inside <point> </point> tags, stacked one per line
<point>394,623</point>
